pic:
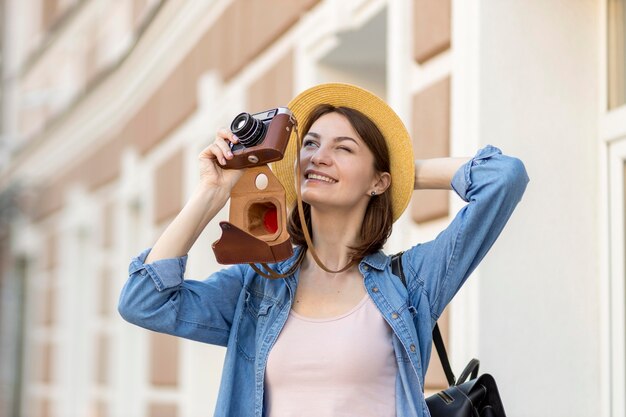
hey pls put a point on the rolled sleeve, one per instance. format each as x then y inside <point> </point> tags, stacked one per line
<point>165,273</point>
<point>157,297</point>
<point>462,180</point>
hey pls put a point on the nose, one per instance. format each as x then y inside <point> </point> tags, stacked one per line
<point>321,156</point>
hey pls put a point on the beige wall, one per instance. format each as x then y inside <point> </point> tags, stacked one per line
<point>227,47</point>
<point>133,177</point>
<point>431,139</point>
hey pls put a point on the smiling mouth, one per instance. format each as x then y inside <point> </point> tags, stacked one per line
<point>318,177</point>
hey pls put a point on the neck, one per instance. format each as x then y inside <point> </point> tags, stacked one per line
<point>333,234</point>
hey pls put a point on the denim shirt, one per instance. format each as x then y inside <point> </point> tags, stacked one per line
<point>245,312</point>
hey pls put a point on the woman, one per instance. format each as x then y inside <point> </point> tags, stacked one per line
<point>321,342</point>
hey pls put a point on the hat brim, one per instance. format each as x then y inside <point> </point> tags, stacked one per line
<point>388,122</point>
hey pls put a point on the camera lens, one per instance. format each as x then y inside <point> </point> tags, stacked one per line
<point>249,130</point>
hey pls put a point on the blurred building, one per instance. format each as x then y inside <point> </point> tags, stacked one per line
<point>106,105</point>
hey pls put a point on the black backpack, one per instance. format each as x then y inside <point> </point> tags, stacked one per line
<point>476,397</point>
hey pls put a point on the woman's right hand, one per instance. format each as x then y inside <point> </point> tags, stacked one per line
<point>214,157</point>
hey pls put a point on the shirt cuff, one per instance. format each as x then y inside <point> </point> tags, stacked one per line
<point>166,273</point>
<point>462,180</point>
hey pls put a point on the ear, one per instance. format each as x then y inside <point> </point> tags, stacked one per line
<point>382,182</point>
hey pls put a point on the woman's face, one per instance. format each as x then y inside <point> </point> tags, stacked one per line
<point>337,166</point>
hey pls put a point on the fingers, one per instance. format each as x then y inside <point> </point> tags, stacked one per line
<point>220,148</point>
<point>223,147</point>
<point>227,135</point>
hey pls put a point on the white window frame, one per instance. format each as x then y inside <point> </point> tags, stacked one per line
<point>612,205</point>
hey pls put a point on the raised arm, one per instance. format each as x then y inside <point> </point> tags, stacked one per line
<point>207,200</point>
<point>156,296</point>
<point>492,184</point>
<point>436,173</point>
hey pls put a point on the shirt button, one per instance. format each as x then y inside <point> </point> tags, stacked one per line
<point>366,267</point>
<point>375,289</point>
<point>412,348</point>
<point>394,316</point>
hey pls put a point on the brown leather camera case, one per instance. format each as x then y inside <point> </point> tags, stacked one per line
<point>246,237</point>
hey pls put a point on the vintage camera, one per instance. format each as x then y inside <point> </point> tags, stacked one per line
<point>263,137</point>
<point>257,228</point>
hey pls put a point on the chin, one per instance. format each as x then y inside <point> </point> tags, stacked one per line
<point>310,197</point>
<point>318,197</point>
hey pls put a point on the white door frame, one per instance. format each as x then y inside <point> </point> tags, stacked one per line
<point>617,274</point>
<point>612,157</point>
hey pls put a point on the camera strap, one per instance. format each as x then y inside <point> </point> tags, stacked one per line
<point>268,272</point>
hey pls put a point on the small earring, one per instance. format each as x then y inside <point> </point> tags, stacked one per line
<point>373,193</point>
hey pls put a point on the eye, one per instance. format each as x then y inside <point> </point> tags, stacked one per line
<point>345,148</point>
<point>308,142</point>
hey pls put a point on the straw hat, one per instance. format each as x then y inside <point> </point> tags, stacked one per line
<point>388,122</point>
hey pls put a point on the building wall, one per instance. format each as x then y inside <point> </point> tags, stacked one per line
<point>538,98</point>
<point>106,133</point>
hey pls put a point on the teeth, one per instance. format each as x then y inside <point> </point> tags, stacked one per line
<point>321,178</point>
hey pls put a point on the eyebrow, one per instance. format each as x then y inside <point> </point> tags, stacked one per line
<point>336,139</point>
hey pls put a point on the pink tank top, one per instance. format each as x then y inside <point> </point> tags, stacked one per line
<point>340,366</point>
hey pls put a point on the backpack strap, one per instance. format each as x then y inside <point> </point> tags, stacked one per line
<point>396,267</point>
<point>397,270</point>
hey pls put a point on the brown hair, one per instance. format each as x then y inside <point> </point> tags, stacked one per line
<point>378,219</point>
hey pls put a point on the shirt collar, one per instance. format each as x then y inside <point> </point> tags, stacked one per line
<point>377,260</point>
<point>286,264</point>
